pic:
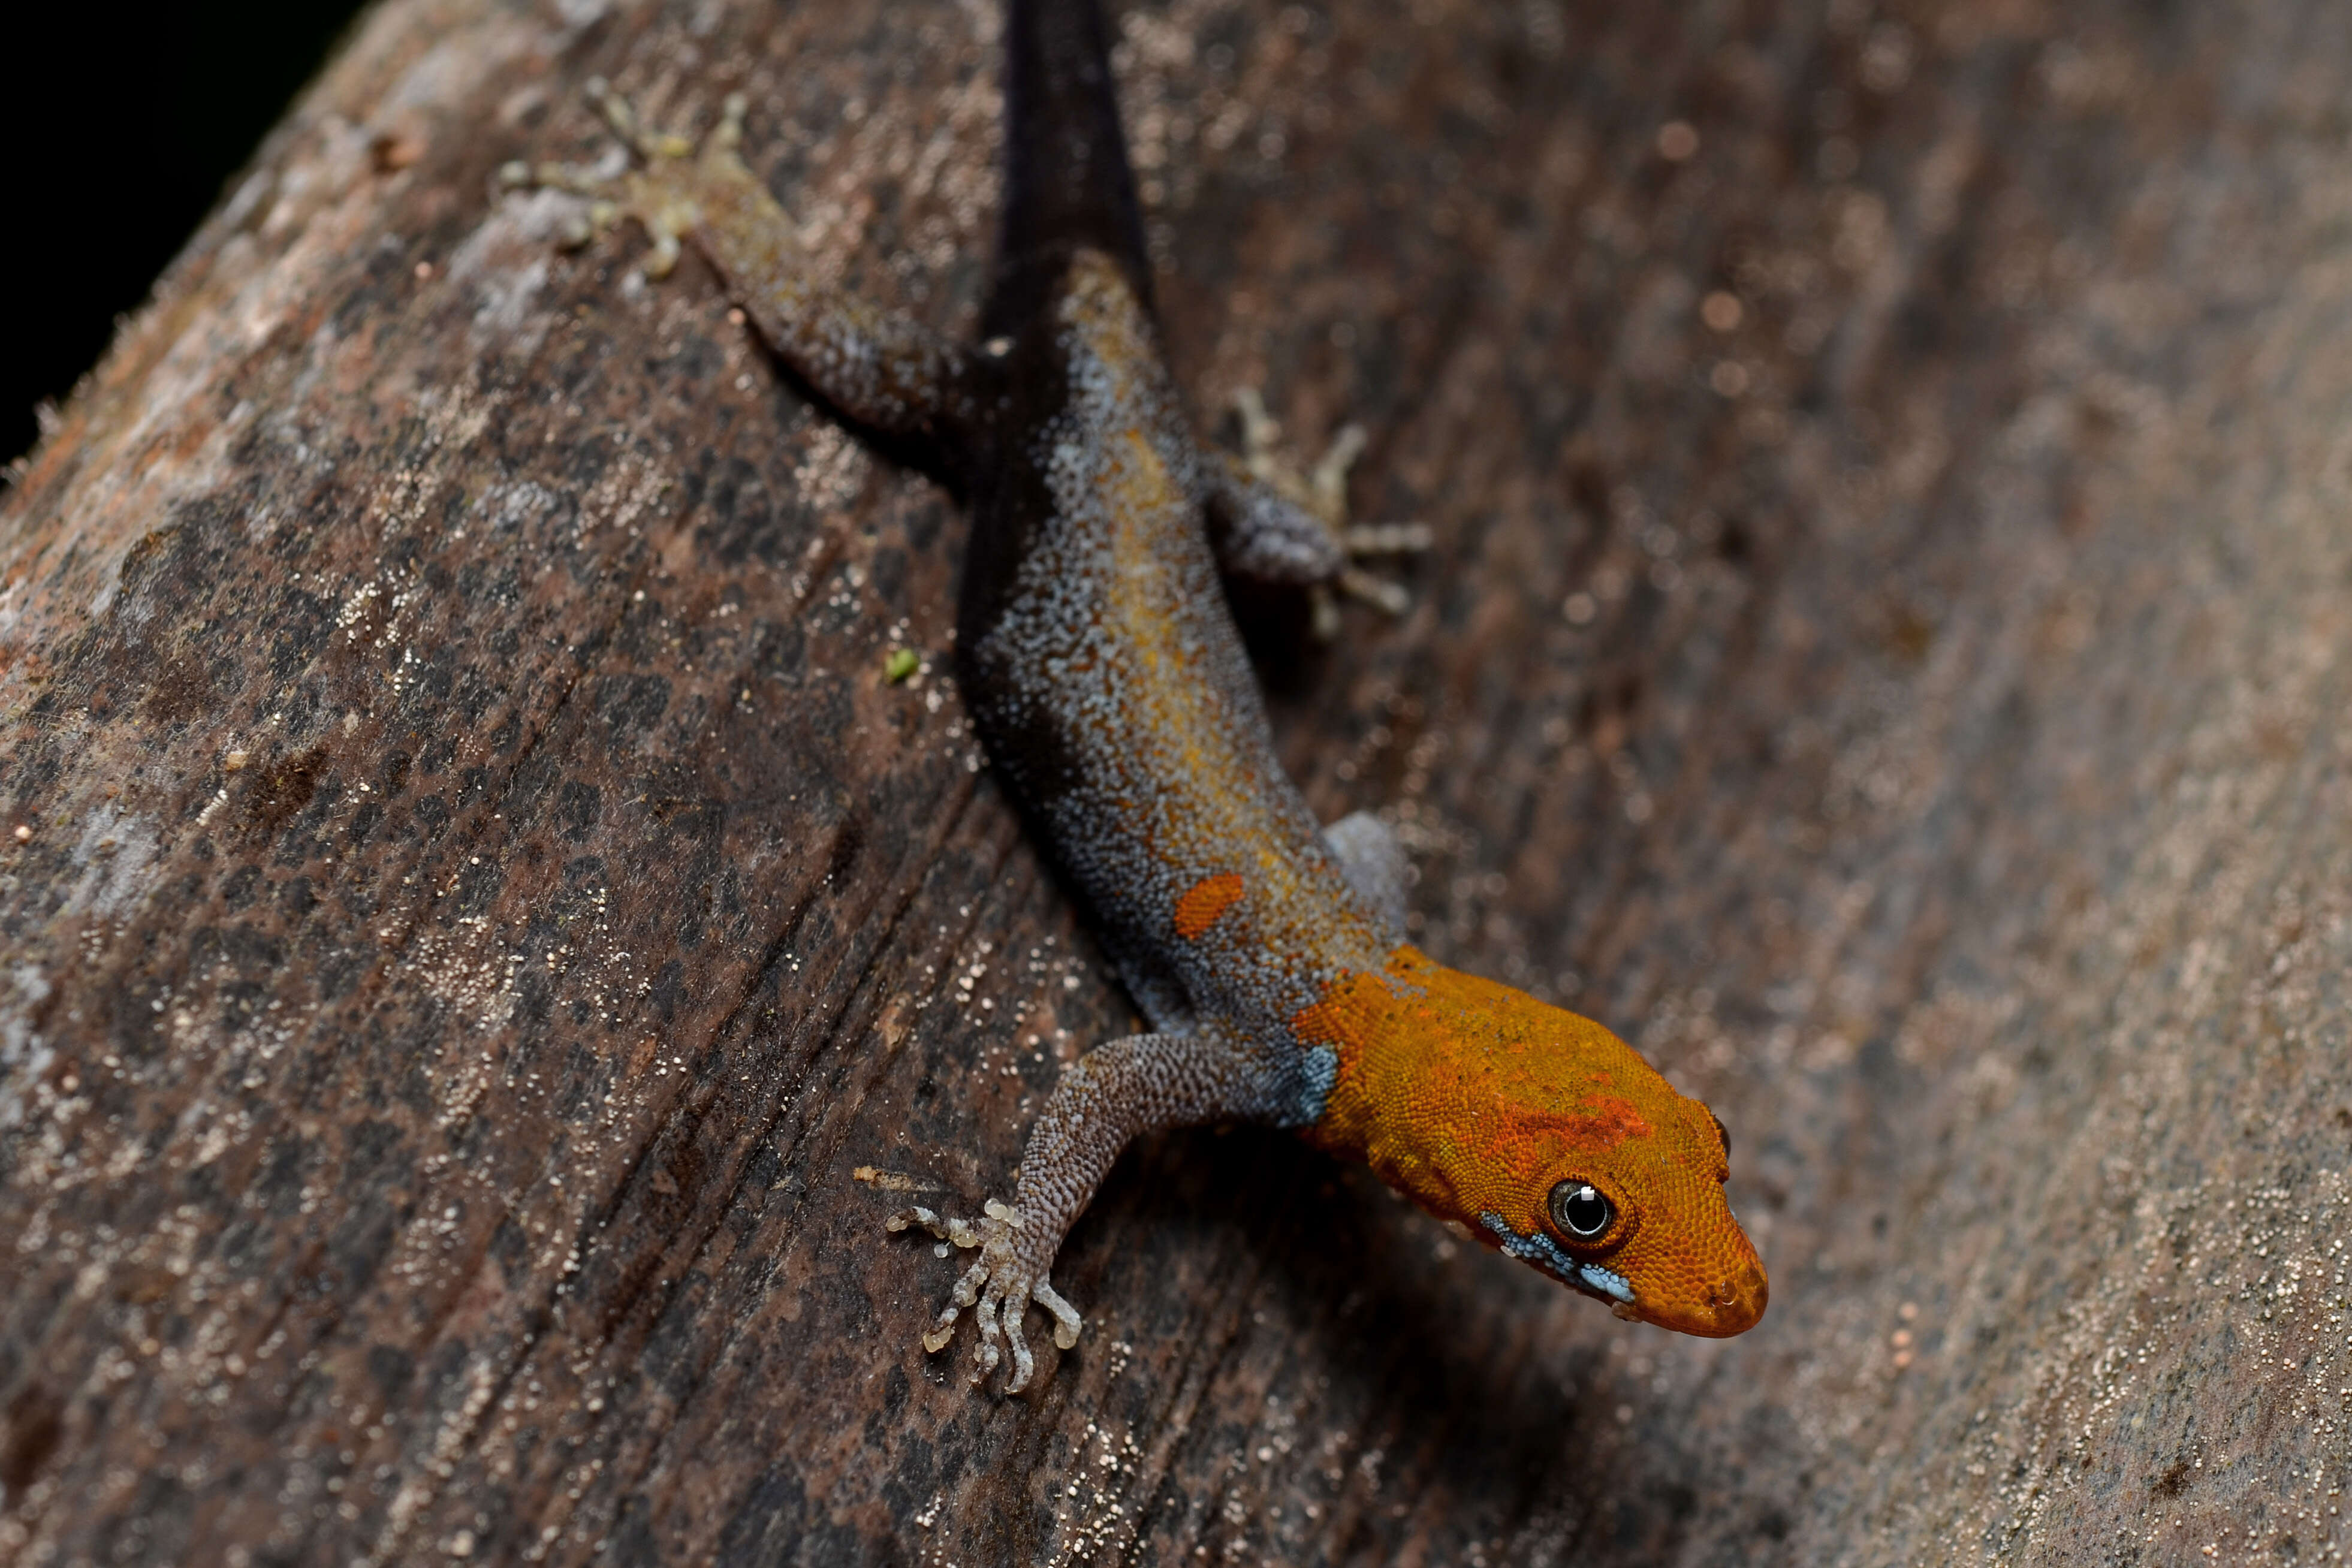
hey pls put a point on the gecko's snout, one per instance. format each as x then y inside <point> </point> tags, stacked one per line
<point>1730,1306</point>
<point>1735,1303</point>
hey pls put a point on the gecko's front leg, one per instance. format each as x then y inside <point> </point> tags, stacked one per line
<point>1107,1098</point>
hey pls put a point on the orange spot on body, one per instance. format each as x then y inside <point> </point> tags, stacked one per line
<point>1198,910</point>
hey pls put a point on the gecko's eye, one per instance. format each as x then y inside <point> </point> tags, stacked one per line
<point>1726,1132</point>
<point>1580,1211</point>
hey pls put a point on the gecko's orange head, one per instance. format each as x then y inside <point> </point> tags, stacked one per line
<point>1548,1137</point>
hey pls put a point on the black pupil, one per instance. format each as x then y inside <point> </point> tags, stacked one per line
<point>1581,1209</point>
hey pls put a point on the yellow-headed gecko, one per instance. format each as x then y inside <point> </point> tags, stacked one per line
<point>1101,666</point>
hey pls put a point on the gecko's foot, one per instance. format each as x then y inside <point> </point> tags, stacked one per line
<point>1002,1284</point>
<point>1321,492</point>
<point>663,191</point>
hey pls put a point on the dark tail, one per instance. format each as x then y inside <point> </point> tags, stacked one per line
<point>1066,182</point>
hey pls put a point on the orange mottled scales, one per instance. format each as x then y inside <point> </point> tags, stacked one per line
<point>1543,1134</point>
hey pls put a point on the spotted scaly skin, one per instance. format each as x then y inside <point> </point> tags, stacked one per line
<point>1102,667</point>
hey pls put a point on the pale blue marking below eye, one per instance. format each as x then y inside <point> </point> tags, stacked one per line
<point>1607,1283</point>
<point>1546,1254</point>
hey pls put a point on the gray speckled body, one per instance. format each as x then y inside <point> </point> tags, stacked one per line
<point>1112,687</point>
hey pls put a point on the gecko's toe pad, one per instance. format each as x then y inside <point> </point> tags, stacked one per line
<point>1002,1284</point>
<point>664,192</point>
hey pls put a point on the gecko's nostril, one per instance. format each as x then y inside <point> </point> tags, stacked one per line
<point>1740,1300</point>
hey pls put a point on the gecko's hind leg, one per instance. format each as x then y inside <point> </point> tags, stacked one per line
<point>1277,523</point>
<point>665,190</point>
<point>881,368</point>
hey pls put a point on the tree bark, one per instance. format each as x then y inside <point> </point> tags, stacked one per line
<point>472,901</point>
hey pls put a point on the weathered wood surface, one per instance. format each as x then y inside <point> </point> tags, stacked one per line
<point>477,900</point>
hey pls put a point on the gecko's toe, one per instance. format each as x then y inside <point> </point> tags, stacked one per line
<point>663,259</point>
<point>966,1289</point>
<point>990,1332</point>
<point>1024,1364</point>
<point>621,116</point>
<point>1067,1321</point>
<point>1261,433</point>
<point>1328,480</point>
<point>1375,591</point>
<point>989,1352</point>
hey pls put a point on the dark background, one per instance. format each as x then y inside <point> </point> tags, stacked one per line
<point>126,132</point>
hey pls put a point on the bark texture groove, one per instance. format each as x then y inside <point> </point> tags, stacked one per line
<point>470,900</point>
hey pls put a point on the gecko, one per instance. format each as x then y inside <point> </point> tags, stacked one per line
<point>1103,671</point>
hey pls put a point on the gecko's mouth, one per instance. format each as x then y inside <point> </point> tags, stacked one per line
<point>1591,1278</point>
